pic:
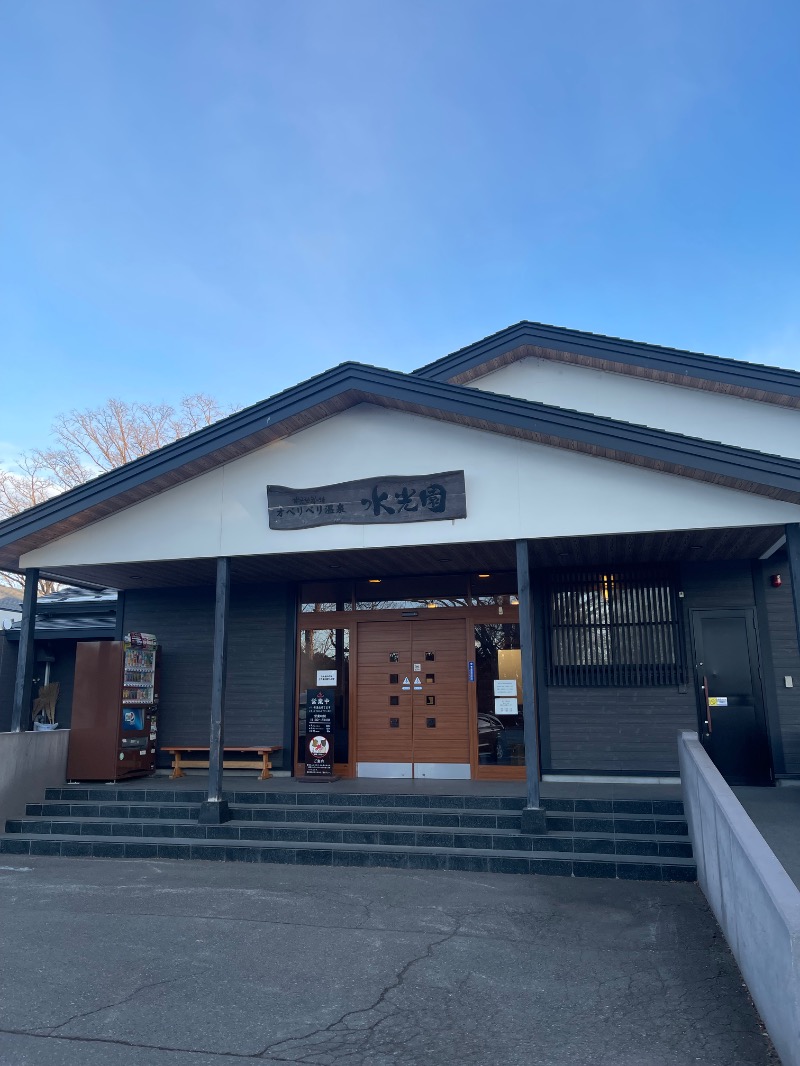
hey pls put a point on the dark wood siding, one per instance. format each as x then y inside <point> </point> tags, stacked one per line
<point>619,730</point>
<point>709,585</point>
<point>785,660</point>
<point>257,701</point>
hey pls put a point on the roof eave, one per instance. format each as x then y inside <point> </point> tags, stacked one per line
<point>476,359</point>
<point>354,383</point>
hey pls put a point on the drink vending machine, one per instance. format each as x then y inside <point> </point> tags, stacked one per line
<point>114,727</point>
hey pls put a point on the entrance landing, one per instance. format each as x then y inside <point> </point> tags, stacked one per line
<point>550,790</point>
<point>776,814</point>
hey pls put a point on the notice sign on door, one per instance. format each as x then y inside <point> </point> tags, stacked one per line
<point>717,701</point>
<point>505,688</point>
<point>506,705</point>
<point>319,731</point>
<point>326,677</point>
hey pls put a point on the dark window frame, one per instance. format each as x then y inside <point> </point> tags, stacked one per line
<point>614,627</point>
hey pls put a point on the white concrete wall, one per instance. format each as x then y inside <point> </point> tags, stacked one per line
<point>712,416</point>
<point>29,763</point>
<point>753,898</point>
<point>514,489</point>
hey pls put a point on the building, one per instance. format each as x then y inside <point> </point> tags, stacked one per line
<point>10,604</point>
<point>63,619</point>
<point>545,553</point>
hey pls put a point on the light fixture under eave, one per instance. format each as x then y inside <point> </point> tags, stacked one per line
<point>374,580</point>
<point>484,575</point>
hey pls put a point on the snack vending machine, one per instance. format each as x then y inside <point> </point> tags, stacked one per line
<point>114,727</point>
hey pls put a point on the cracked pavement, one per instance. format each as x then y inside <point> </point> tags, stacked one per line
<point>106,962</point>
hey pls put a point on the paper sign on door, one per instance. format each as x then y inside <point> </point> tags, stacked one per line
<point>717,701</point>
<point>505,705</point>
<point>326,677</point>
<point>505,688</point>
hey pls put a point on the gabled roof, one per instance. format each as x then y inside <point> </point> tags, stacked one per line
<point>672,365</point>
<point>349,384</point>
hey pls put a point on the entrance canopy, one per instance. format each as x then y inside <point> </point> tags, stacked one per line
<point>695,545</point>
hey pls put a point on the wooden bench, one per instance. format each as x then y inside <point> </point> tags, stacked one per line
<point>179,763</point>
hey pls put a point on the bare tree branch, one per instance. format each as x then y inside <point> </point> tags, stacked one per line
<point>93,441</point>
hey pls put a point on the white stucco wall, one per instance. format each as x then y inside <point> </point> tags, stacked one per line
<point>712,416</point>
<point>514,489</point>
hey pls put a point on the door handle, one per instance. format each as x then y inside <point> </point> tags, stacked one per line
<point>708,708</point>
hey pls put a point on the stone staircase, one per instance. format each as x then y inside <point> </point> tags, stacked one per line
<point>634,839</point>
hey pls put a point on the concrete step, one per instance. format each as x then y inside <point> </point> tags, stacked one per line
<point>613,823</point>
<point>300,796</point>
<point>467,819</point>
<point>589,864</point>
<point>618,823</point>
<point>353,833</point>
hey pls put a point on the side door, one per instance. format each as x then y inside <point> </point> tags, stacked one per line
<point>733,726</point>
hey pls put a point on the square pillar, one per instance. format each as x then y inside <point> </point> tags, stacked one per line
<point>21,707</point>
<point>533,815</point>
<point>793,551</point>
<point>215,809</point>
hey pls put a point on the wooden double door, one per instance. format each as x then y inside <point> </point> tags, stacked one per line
<point>413,698</point>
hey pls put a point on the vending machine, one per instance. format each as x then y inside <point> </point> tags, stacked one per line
<point>114,727</point>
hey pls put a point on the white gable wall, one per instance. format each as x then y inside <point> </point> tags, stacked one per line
<point>514,489</point>
<point>710,415</point>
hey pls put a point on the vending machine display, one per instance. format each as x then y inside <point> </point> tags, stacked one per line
<point>114,726</point>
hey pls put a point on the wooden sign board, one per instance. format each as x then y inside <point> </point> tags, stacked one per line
<point>374,501</point>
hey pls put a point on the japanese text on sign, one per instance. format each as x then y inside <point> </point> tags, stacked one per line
<point>417,498</point>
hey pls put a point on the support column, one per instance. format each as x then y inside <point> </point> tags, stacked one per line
<point>215,808</point>
<point>533,815</point>
<point>21,707</point>
<point>793,551</point>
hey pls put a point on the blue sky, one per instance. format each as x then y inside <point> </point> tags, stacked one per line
<point>232,196</point>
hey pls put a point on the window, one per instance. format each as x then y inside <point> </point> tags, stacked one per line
<point>323,597</point>
<point>408,593</point>
<point>498,690</point>
<point>325,649</point>
<point>613,628</point>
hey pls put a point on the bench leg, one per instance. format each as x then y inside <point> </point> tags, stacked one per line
<point>176,766</point>
<point>265,768</point>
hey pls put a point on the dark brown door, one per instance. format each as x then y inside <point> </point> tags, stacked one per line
<point>412,695</point>
<point>733,726</point>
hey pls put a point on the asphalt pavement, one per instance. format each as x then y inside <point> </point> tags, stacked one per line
<point>106,962</point>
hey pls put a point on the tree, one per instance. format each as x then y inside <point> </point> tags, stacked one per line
<point>93,441</point>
